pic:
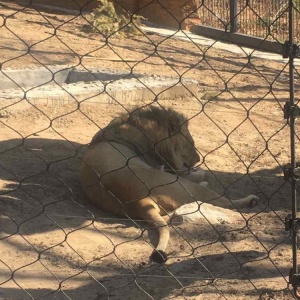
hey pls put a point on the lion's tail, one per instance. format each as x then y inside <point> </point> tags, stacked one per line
<point>152,215</point>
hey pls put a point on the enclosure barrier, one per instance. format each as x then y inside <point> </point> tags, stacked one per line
<point>291,50</point>
<point>253,18</point>
<point>65,74</point>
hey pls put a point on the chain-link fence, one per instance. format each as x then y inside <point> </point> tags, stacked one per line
<point>264,18</point>
<point>61,81</point>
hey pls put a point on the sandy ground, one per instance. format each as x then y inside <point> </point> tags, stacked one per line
<point>55,245</point>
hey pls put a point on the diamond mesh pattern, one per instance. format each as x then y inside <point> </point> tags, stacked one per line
<point>54,244</point>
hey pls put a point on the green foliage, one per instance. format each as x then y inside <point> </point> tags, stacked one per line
<point>106,20</point>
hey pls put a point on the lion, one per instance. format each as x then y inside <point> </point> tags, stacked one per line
<point>122,170</point>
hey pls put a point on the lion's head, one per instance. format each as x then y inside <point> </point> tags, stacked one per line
<point>160,136</point>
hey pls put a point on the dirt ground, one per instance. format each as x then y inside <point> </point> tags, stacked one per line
<point>55,245</point>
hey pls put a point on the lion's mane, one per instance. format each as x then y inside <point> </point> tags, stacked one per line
<point>160,136</point>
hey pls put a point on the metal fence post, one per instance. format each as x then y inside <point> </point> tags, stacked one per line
<point>233,16</point>
<point>292,221</point>
<point>292,130</point>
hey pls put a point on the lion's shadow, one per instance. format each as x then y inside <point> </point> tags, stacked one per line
<point>188,278</point>
<point>41,176</point>
<point>41,192</point>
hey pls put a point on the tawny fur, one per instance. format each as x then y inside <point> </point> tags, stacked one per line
<point>121,170</point>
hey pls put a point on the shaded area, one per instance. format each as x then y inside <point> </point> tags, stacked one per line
<point>52,236</point>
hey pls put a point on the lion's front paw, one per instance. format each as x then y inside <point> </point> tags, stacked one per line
<point>196,175</point>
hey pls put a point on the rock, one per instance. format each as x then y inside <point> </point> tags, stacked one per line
<point>215,215</point>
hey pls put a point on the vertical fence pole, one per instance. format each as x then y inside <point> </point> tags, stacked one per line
<point>292,133</point>
<point>294,222</point>
<point>233,16</point>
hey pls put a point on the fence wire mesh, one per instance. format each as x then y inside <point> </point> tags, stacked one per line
<point>255,18</point>
<point>61,81</point>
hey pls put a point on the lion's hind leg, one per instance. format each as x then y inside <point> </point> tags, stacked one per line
<point>249,201</point>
